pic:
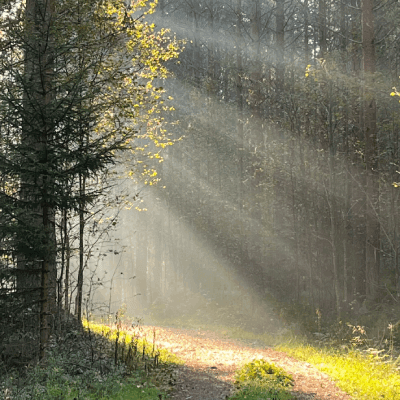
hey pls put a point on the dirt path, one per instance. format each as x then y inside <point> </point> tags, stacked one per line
<point>210,363</point>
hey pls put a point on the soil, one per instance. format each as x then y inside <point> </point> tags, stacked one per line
<point>211,361</point>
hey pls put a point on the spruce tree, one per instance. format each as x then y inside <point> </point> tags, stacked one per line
<point>76,89</point>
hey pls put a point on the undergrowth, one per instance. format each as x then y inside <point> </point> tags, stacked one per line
<point>97,363</point>
<point>131,347</point>
<point>56,382</point>
<point>260,378</point>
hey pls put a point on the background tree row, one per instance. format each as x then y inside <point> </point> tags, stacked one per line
<point>287,173</point>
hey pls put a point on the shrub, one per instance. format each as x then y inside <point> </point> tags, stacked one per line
<point>263,372</point>
<point>260,378</point>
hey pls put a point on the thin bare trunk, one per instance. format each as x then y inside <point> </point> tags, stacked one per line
<point>322,28</point>
<point>280,47</point>
<point>306,34</point>
<point>79,294</point>
<point>240,123</point>
<point>372,250</point>
<point>67,261</point>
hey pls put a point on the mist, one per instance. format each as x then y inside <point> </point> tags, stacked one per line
<point>270,207</point>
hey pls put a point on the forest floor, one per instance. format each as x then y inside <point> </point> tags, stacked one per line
<point>212,359</point>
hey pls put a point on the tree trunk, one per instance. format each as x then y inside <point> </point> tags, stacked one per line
<point>280,49</point>
<point>332,206</point>
<point>306,34</point>
<point>67,261</point>
<point>196,51</point>
<point>36,185</point>
<point>79,288</point>
<point>322,28</point>
<point>240,122</point>
<point>372,225</point>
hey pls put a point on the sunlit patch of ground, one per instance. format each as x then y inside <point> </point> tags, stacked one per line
<point>215,359</point>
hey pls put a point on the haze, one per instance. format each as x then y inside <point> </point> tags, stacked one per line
<point>274,194</point>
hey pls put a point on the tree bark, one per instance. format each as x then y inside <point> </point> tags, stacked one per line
<point>332,206</point>
<point>79,288</point>
<point>322,28</point>
<point>306,34</point>
<point>240,116</point>
<point>37,132</point>
<point>372,250</point>
<point>67,263</point>
<point>280,47</point>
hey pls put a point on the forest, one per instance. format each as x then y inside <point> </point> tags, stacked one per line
<point>225,164</point>
<point>283,184</point>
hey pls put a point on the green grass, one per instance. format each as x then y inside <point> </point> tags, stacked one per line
<point>363,377</point>
<point>119,390</point>
<point>258,392</point>
<point>71,372</point>
<point>131,392</point>
<point>54,383</point>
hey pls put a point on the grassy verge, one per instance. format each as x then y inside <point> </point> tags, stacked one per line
<point>363,377</point>
<point>150,369</point>
<point>100,363</point>
<point>55,384</point>
<point>143,350</point>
